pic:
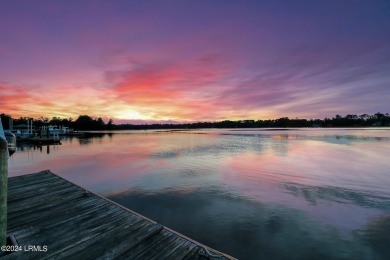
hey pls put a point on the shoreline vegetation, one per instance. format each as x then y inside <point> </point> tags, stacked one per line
<point>85,123</point>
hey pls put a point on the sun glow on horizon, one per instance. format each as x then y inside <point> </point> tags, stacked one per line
<point>130,114</point>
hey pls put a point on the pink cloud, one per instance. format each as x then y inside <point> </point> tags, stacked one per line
<point>186,90</point>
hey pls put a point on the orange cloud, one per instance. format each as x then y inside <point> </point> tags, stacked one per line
<point>183,91</point>
<point>12,99</point>
<point>37,101</point>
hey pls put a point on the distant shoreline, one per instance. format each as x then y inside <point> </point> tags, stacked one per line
<point>381,128</point>
<point>88,123</point>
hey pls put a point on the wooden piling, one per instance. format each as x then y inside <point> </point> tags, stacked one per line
<point>3,191</point>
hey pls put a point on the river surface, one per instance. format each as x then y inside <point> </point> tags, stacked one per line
<point>253,194</point>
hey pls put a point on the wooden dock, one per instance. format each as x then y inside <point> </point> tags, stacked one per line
<point>45,210</point>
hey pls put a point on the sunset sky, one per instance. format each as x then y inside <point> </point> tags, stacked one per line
<point>184,61</point>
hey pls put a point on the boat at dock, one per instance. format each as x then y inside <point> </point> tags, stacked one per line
<point>60,130</point>
<point>22,132</point>
<point>53,139</point>
<point>11,140</point>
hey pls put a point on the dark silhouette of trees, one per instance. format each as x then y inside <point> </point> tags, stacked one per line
<point>109,125</point>
<point>350,120</point>
<point>85,122</point>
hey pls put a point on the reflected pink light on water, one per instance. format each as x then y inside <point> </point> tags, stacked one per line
<point>268,177</point>
<point>312,163</point>
<point>111,161</point>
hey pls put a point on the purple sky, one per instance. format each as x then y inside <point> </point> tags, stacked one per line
<point>194,60</point>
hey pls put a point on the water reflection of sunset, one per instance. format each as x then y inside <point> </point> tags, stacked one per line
<point>263,184</point>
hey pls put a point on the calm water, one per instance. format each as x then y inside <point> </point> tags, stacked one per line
<point>297,194</point>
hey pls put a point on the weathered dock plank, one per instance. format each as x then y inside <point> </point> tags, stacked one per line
<point>42,215</point>
<point>17,182</point>
<point>193,254</point>
<point>37,188</point>
<point>52,224</point>
<point>166,252</point>
<point>182,251</point>
<point>72,223</point>
<point>130,242</point>
<point>151,245</point>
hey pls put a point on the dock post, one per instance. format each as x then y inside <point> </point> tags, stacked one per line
<point>3,191</point>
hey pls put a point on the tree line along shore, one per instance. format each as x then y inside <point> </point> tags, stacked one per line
<point>85,123</point>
